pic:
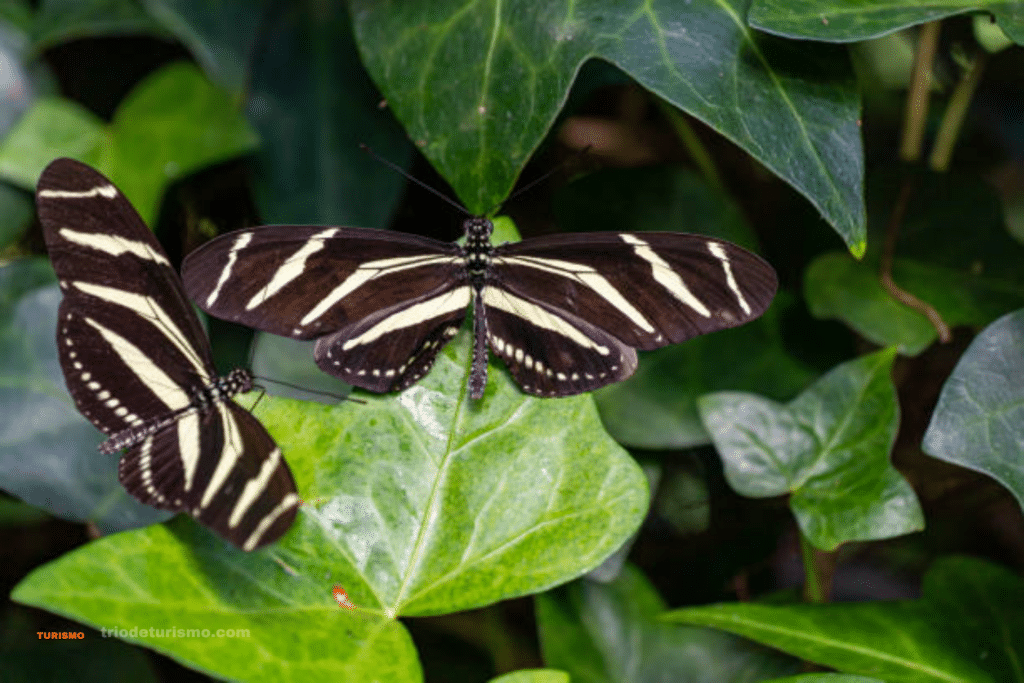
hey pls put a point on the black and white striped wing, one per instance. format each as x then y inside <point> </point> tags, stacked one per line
<point>565,312</point>
<point>380,304</point>
<point>203,465</point>
<point>136,360</point>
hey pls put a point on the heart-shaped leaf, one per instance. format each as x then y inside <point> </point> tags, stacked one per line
<point>478,86</point>
<point>829,449</point>
<point>420,503</point>
<point>979,421</point>
<point>172,124</point>
<point>968,626</point>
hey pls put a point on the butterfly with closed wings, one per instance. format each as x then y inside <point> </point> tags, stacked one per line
<point>566,313</point>
<point>138,365</point>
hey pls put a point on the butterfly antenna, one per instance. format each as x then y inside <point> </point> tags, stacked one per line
<point>395,167</point>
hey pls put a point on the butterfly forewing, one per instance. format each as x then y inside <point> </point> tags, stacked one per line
<point>308,281</point>
<point>380,304</point>
<point>136,358</point>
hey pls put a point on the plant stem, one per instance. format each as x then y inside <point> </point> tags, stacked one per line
<point>917,96</point>
<point>956,112</point>
<point>892,231</point>
<point>812,579</point>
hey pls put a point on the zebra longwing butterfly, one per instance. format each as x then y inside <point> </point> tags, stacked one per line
<point>566,312</point>
<point>138,365</point>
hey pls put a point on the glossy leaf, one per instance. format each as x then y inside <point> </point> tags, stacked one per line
<point>129,584</point>
<point>48,453</point>
<point>610,633</point>
<point>420,503</point>
<point>850,20</point>
<point>478,86</point>
<point>828,449</point>
<point>172,124</point>
<point>968,626</point>
<point>979,421</point>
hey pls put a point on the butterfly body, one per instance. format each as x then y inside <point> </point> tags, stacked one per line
<point>138,365</point>
<point>566,313</point>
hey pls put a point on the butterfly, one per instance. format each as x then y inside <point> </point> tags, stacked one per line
<point>139,366</point>
<point>566,313</point>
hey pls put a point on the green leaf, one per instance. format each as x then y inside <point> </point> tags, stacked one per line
<point>478,86</point>
<point>14,513</point>
<point>968,626</point>
<point>262,624</point>
<point>533,676</point>
<point>313,104</point>
<point>829,449</point>
<point>969,282</point>
<point>657,408</point>
<point>60,21</point>
<point>607,633</point>
<point>172,124</point>
<point>979,421</point>
<point>850,20</point>
<point>220,35</point>
<point>48,455</point>
<point>52,127</point>
<point>420,503</point>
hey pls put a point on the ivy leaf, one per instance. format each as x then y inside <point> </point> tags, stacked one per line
<point>967,626</point>
<point>478,86</point>
<point>845,21</point>
<point>609,633</point>
<point>420,503</point>
<point>172,124</point>
<point>979,420</point>
<point>829,449</point>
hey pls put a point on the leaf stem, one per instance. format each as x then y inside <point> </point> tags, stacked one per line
<point>892,230</point>
<point>917,96</point>
<point>813,591</point>
<point>956,112</point>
